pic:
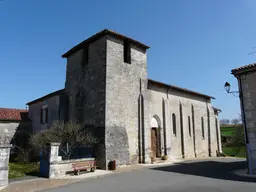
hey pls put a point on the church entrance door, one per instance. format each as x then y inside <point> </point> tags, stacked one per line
<point>155,143</point>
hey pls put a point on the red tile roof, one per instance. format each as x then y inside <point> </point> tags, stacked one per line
<point>244,68</point>
<point>11,114</point>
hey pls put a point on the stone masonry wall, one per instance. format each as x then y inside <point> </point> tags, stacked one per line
<point>122,101</point>
<point>248,88</point>
<point>91,82</point>
<point>53,112</point>
<point>173,100</point>
<point>8,129</point>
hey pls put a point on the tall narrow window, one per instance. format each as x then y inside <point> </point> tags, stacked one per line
<point>174,124</point>
<point>79,106</point>
<point>202,124</point>
<point>127,52</point>
<point>85,55</point>
<point>41,115</point>
<point>84,62</point>
<point>189,126</point>
<point>44,114</point>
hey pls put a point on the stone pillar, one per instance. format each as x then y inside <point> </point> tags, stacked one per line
<point>54,152</point>
<point>4,164</point>
<point>47,158</point>
<point>53,158</point>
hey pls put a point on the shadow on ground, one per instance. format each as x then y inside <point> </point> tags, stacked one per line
<point>211,169</point>
<point>33,173</point>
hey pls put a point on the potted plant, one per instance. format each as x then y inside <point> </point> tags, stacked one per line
<point>164,157</point>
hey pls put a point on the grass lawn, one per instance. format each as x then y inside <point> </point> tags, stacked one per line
<point>227,131</point>
<point>237,151</point>
<point>22,169</point>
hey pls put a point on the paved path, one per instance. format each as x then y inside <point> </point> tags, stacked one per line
<point>193,176</point>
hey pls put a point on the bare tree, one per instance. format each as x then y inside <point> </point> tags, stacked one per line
<point>70,135</point>
<point>224,121</point>
<point>235,121</point>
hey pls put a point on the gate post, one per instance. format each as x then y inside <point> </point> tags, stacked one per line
<point>4,165</point>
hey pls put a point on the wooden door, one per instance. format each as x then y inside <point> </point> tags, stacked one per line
<point>154,142</point>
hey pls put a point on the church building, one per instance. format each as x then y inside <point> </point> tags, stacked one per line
<point>107,86</point>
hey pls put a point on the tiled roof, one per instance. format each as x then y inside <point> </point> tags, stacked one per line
<point>180,89</point>
<point>99,35</point>
<point>244,68</point>
<point>12,114</point>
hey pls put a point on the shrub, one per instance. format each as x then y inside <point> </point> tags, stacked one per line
<point>164,157</point>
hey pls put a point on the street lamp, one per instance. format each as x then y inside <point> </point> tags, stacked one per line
<point>227,87</point>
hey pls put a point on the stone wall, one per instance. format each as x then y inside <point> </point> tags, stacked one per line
<point>57,167</point>
<point>125,83</point>
<point>53,112</point>
<point>8,129</point>
<point>4,164</point>
<point>90,79</point>
<point>171,101</point>
<point>248,89</point>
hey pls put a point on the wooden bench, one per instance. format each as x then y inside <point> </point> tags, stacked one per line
<point>84,166</point>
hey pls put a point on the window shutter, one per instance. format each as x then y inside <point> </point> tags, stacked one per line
<point>46,115</point>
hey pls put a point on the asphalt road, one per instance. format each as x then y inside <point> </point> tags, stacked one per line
<point>193,176</point>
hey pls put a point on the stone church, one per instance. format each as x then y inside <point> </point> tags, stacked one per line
<point>107,86</point>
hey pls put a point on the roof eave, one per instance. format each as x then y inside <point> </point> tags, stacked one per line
<point>243,70</point>
<point>46,96</point>
<point>183,90</point>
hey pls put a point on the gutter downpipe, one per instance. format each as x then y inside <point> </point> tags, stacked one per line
<point>245,127</point>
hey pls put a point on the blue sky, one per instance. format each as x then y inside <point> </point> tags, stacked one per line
<point>194,44</point>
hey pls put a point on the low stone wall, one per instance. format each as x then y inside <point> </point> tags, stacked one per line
<point>4,164</point>
<point>60,168</point>
<point>53,166</point>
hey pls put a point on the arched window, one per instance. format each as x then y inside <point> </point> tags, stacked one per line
<point>189,126</point>
<point>174,131</point>
<point>202,126</point>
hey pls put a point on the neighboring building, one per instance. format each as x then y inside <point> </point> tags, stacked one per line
<point>10,122</point>
<point>246,77</point>
<point>107,86</point>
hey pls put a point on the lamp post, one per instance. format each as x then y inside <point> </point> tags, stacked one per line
<point>227,87</point>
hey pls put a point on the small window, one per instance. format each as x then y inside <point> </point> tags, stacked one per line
<point>44,115</point>
<point>202,124</point>
<point>174,124</point>
<point>189,126</point>
<point>127,52</point>
<point>85,55</point>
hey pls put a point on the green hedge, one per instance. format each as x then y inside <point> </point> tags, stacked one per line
<point>237,151</point>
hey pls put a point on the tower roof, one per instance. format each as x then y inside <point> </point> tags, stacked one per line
<point>99,35</point>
